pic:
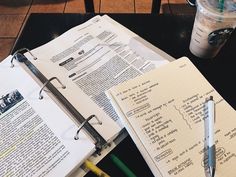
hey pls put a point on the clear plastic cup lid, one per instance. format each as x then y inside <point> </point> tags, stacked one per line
<point>218,8</point>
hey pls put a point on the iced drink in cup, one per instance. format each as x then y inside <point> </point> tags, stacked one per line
<point>214,22</point>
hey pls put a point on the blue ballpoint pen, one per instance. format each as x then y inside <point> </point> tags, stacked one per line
<point>211,142</point>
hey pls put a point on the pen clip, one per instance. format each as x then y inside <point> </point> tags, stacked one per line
<point>211,99</point>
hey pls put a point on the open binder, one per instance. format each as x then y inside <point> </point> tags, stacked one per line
<point>99,147</point>
<point>100,142</point>
<point>126,54</point>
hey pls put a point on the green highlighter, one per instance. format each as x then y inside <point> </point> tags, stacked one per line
<point>122,166</point>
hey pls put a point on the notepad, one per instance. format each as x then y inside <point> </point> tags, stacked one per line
<point>164,113</point>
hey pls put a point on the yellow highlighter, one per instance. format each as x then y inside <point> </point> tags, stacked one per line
<point>89,165</point>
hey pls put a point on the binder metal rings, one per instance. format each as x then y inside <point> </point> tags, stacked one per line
<point>18,52</point>
<point>76,137</point>
<point>44,85</point>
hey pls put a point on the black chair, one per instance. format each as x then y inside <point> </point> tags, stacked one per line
<point>89,6</point>
<point>156,5</point>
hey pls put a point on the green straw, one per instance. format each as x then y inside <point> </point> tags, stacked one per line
<point>221,5</point>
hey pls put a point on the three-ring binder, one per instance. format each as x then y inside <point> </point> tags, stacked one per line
<point>100,142</point>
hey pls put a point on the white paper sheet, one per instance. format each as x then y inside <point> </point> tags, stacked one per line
<point>36,136</point>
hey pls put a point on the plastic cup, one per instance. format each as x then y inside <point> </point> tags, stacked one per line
<point>214,22</point>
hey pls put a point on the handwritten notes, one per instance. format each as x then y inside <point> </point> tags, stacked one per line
<point>164,111</point>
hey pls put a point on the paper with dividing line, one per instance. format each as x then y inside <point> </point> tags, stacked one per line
<point>164,112</point>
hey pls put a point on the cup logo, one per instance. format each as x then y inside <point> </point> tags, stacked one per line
<point>219,37</point>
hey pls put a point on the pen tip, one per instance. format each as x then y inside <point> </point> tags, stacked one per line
<point>212,171</point>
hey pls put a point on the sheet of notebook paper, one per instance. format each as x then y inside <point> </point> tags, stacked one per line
<point>164,112</point>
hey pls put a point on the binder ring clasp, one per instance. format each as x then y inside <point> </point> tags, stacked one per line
<point>14,56</point>
<point>45,84</point>
<point>76,137</point>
